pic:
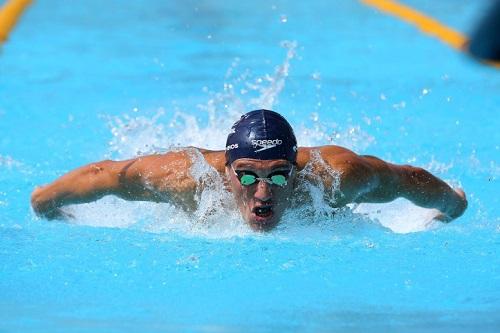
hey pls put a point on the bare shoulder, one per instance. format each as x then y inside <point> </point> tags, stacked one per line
<point>170,170</point>
<point>336,157</point>
<point>215,158</point>
<point>354,174</point>
<point>177,160</point>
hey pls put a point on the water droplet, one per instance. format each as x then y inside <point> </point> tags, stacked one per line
<point>400,105</point>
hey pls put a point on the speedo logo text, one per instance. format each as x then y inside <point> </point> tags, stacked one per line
<point>266,144</point>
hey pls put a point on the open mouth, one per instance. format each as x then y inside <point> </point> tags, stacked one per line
<point>263,211</point>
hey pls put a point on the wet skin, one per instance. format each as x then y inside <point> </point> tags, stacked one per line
<point>167,178</point>
<point>261,204</point>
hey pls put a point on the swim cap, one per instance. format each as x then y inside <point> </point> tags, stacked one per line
<point>261,135</point>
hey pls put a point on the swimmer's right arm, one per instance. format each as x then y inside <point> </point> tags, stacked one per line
<point>159,178</point>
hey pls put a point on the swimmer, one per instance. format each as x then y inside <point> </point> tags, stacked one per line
<point>260,167</point>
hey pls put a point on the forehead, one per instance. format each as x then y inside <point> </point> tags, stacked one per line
<point>260,164</point>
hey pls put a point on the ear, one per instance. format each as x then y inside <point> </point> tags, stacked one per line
<point>227,172</point>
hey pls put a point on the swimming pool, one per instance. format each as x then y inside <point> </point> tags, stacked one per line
<point>91,81</point>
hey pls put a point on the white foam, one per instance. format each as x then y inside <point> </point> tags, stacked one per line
<point>400,215</point>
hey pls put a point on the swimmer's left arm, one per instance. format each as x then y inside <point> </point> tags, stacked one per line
<point>426,190</point>
<point>370,179</point>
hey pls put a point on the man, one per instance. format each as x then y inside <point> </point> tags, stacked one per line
<point>260,166</point>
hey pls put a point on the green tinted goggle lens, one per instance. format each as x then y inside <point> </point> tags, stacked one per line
<point>248,179</point>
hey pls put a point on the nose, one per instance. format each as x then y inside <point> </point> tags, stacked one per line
<point>263,191</point>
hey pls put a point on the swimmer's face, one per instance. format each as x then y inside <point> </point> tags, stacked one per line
<point>261,204</point>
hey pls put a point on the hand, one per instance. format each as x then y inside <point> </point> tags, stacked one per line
<point>58,214</point>
<point>460,206</point>
<point>442,218</point>
<point>46,208</point>
<point>461,203</point>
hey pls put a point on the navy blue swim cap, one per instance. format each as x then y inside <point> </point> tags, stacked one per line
<point>261,135</point>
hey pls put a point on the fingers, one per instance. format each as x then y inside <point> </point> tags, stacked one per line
<point>457,207</point>
<point>54,214</point>
<point>462,203</point>
<point>442,218</point>
<point>45,207</point>
<point>58,214</point>
<point>460,193</point>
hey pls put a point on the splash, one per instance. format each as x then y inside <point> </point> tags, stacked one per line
<point>217,215</point>
<point>9,163</point>
<point>400,216</point>
<point>141,135</point>
<point>319,200</point>
<point>269,94</point>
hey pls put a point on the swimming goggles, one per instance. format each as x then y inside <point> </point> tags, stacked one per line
<point>247,178</point>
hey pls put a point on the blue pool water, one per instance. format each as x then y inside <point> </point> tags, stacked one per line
<point>89,80</point>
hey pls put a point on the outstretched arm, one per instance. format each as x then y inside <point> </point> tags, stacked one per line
<point>160,178</point>
<point>370,179</point>
<point>417,185</point>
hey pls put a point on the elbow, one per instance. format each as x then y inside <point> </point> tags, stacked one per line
<point>99,168</point>
<point>113,177</point>
<point>412,173</point>
<point>411,179</point>
<point>101,176</point>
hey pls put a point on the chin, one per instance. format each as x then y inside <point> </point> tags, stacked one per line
<point>262,227</point>
<point>259,224</point>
